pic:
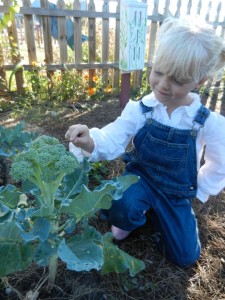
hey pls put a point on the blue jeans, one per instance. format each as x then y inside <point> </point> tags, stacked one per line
<point>174,221</point>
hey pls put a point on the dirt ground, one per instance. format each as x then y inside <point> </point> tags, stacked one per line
<point>160,279</point>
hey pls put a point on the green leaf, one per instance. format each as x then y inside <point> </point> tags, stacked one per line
<point>88,201</point>
<point>14,255</point>
<point>10,196</point>
<point>40,231</point>
<point>45,211</point>
<point>82,252</point>
<point>43,252</point>
<point>116,260</point>
<point>72,183</point>
<point>14,9</point>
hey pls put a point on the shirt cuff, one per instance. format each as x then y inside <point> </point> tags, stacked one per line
<point>78,152</point>
<point>203,197</point>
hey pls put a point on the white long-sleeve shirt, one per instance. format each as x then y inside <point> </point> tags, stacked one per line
<point>111,141</point>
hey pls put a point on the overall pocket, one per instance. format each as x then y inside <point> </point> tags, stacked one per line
<point>163,156</point>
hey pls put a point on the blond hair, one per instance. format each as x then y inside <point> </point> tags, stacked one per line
<point>189,49</point>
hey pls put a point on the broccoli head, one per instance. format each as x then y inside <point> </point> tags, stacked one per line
<point>45,164</point>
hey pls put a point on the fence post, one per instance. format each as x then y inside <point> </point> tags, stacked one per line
<point>125,89</point>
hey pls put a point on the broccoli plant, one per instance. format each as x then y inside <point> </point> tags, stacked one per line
<point>48,218</point>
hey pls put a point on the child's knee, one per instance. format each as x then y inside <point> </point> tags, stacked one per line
<point>184,260</point>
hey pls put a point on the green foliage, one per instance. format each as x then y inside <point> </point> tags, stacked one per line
<point>8,17</point>
<point>53,223</point>
<point>98,171</point>
<point>144,89</point>
<point>14,139</point>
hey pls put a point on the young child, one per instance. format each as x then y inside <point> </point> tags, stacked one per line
<point>169,129</point>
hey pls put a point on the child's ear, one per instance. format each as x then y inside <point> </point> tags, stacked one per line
<point>200,83</point>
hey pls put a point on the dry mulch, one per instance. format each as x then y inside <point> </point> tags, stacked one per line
<point>160,279</point>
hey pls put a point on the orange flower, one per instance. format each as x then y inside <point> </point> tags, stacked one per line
<point>94,78</point>
<point>108,88</point>
<point>86,77</point>
<point>91,91</point>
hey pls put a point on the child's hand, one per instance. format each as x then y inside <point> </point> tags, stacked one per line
<point>79,135</point>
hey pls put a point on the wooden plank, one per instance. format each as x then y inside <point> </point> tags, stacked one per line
<point>177,13</point>
<point>81,66</point>
<point>152,39</point>
<point>105,42</point>
<point>3,82</point>
<point>189,7</point>
<point>222,33</point>
<point>91,40</point>
<point>61,13</point>
<point>199,7</point>
<point>46,23</point>
<point>29,32</point>
<point>13,41</point>
<point>77,34</point>
<point>136,79</point>
<point>208,11</point>
<point>116,73</point>
<point>166,12</point>
<point>217,16</point>
<point>62,34</point>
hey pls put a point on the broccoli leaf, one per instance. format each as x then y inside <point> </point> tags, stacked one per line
<point>82,252</point>
<point>72,183</point>
<point>116,260</point>
<point>88,202</point>
<point>43,252</point>
<point>14,255</point>
<point>9,196</point>
<point>39,231</point>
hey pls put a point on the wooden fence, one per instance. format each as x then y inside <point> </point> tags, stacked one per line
<point>29,41</point>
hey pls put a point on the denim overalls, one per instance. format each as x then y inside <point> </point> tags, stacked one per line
<point>165,158</point>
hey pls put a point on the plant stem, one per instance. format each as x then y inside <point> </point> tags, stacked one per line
<point>53,264</point>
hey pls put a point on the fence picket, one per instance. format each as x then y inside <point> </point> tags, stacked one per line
<point>91,39</point>
<point>105,42</point>
<point>152,38</point>
<point>208,11</point>
<point>199,7</point>
<point>29,32</point>
<point>116,73</point>
<point>62,34</point>
<point>47,38</point>
<point>77,35</point>
<point>177,14</point>
<point>189,7</point>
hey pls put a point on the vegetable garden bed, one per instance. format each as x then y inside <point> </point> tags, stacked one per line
<point>160,279</point>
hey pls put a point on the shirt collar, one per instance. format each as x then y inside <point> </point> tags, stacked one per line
<point>190,110</point>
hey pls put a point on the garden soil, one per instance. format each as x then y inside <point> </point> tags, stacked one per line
<point>160,279</point>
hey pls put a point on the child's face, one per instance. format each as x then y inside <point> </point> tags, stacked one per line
<point>169,90</point>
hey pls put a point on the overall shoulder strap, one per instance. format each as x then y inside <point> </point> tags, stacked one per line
<point>145,109</point>
<point>201,115</point>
